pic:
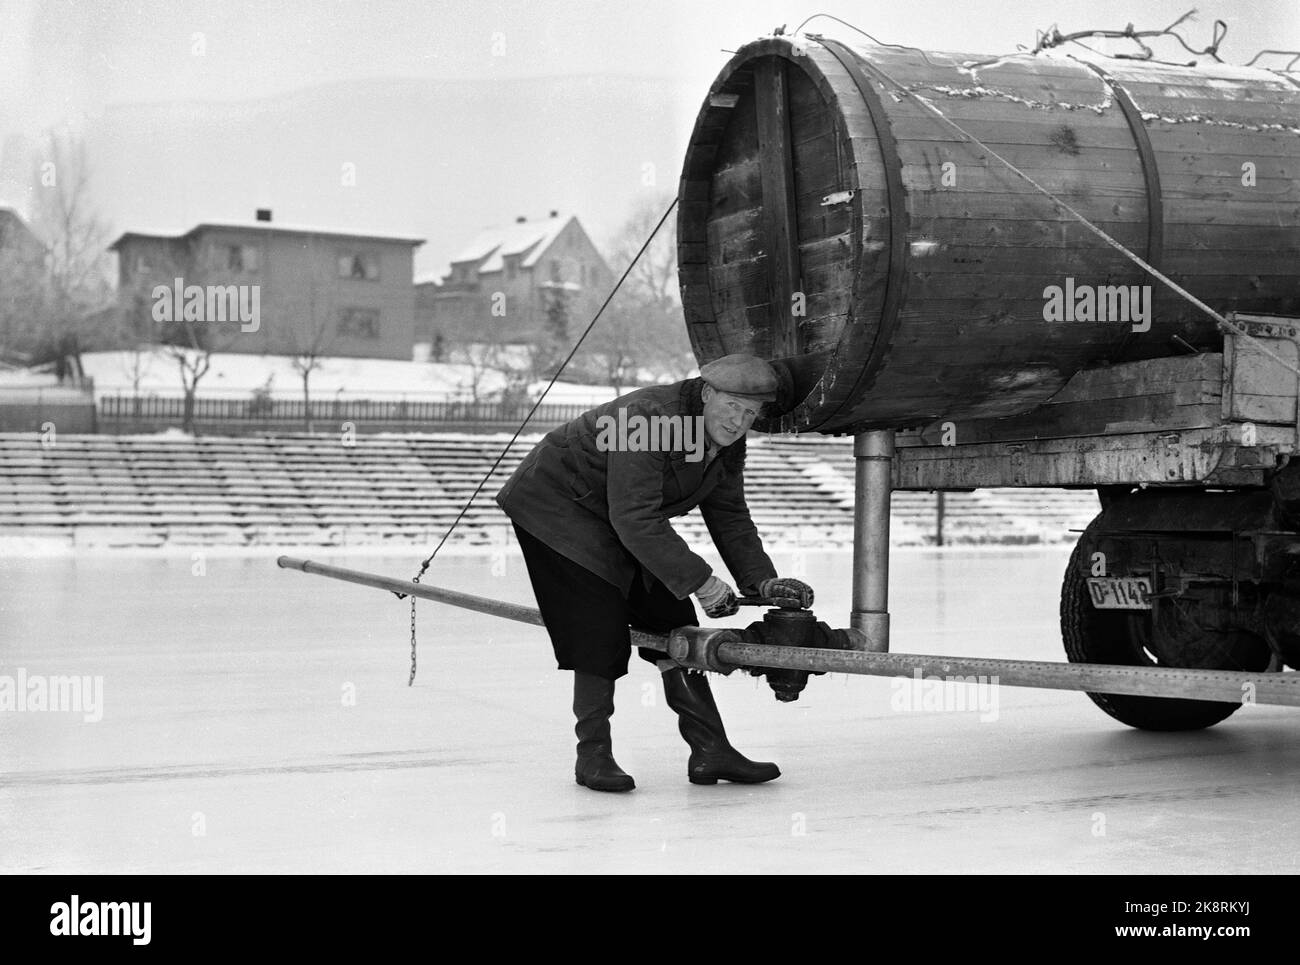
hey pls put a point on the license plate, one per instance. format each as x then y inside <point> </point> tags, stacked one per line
<point>1120,592</point>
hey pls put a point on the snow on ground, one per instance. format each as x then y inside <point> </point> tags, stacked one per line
<point>258,720</point>
<point>236,375</point>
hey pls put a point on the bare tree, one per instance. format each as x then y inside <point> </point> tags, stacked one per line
<point>193,362</point>
<point>487,361</point>
<point>653,279</point>
<point>312,340</point>
<point>54,283</point>
<point>137,360</point>
<point>642,331</point>
<point>149,315</point>
<point>78,289</point>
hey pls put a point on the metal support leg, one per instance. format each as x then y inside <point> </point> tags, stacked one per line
<point>873,484</point>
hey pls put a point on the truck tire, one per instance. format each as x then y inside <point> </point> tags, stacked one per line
<point>1123,636</point>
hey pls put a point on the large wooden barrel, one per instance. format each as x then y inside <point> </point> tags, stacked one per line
<point>816,179</point>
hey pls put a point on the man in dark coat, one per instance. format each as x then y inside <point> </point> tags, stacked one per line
<point>591,506</point>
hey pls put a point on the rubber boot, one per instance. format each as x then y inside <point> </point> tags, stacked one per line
<point>593,705</point>
<point>712,757</point>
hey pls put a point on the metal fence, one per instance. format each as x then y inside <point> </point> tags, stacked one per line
<point>120,411</point>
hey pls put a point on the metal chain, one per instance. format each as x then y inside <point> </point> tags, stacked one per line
<point>411,680</point>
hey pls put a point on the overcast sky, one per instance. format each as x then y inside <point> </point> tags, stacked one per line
<point>64,62</point>
<point>62,57</point>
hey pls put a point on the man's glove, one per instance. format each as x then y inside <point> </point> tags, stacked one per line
<point>787,593</point>
<point>717,598</point>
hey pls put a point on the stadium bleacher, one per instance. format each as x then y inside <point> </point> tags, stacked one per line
<point>287,490</point>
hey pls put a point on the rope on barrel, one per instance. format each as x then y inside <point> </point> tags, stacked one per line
<point>1223,324</point>
<point>514,438</point>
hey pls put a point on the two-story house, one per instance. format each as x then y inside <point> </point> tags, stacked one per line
<point>17,241</point>
<point>509,284</point>
<point>318,291</point>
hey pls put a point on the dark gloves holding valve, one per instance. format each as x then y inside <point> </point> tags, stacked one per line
<point>719,599</point>
<point>787,593</point>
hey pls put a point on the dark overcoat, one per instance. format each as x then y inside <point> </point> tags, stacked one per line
<point>609,510</point>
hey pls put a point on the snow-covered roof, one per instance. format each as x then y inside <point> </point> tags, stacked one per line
<point>526,238</point>
<point>271,227</point>
<point>13,216</point>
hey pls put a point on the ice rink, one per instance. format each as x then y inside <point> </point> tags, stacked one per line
<point>255,719</point>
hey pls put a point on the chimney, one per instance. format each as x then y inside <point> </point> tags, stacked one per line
<point>520,220</point>
<point>263,214</point>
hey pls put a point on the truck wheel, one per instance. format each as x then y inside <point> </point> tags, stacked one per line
<point>1134,638</point>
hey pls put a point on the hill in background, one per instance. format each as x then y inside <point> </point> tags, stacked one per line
<point>435,159</point>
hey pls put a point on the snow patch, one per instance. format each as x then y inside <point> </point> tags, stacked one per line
<point>235,375</point>
<point>979,90</point>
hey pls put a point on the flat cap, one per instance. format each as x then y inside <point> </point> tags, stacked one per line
<point>742,375</point>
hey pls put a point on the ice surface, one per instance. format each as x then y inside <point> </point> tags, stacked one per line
<point>228,744</point>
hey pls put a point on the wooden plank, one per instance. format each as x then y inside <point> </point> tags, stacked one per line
<point>1229,165</point>
<point>828,253</point>
<point>1212,110</point>
<point>1023,205</point>
<point>997,85</point>
<point>822,332</point>
<point>780,230</point>
<point>1259,387</point>
<point>737,286</point>
<point>816,167</point>
<point>1241,214</point>
<point>1093,264</point>
<point>726,247</point>
<point>736,188</point>
<point>996,279</point>
<point>1041,156</point>
<point>742,219</point>
<point>1153,457</point>
<point>1234,237</point>
<point>1196,186</point>
<point>693,190</point>
<point>1264,293</point>
<point>810,115</point>
<point>1277,409</point>
<point>1004,135</point>
<point>1093,417</point>
<point>1231,262</point>
<point>1168,393</point>
<point>946,283</point>
<point>956,61</point>
<point>1173,142</point>
<point>979,233</point>
<point>1156,72</point>
<point>1142,378</point>
<point>825,295</point>
<point>818,222</point>
<point>820,305</point>
<point>1093,186</point>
